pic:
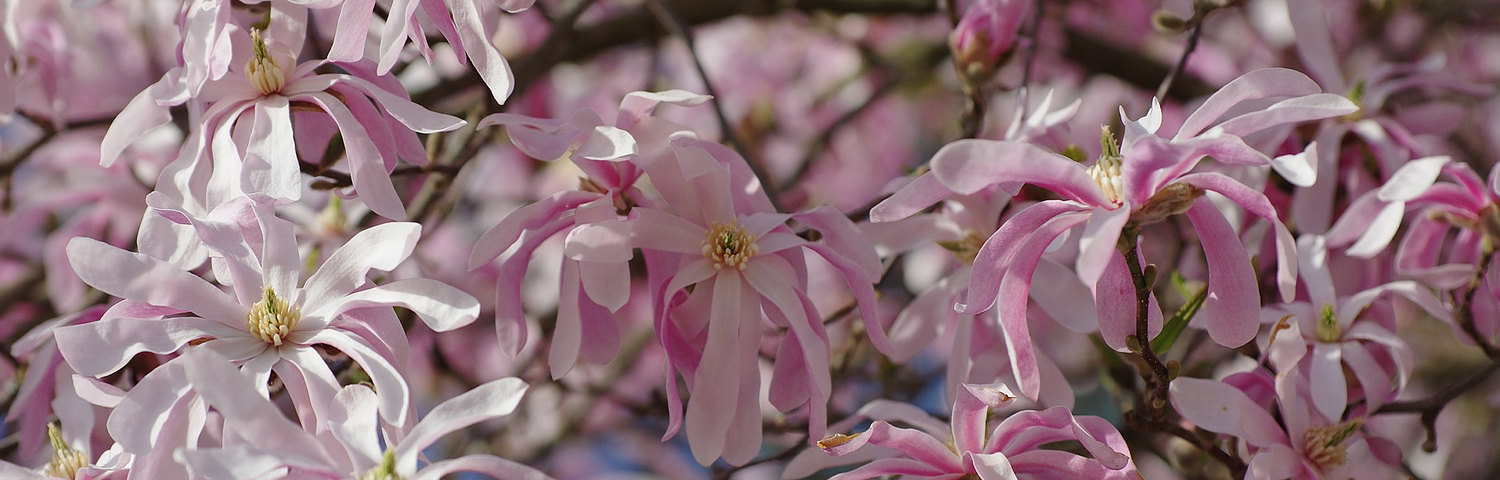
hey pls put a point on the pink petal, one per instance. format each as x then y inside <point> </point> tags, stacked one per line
<point>1220,408</point>
<point>139,116</point>
<point>995,255</point>
<point>353,28</point>
<point>440,306</point>
<point>922,192</point>
<point>1412,179</point>
<point>1012,300</point>
<point>382,247</point>
<point>1098,243</point>
<point>1233,303</point>
<point>1256,204</point>
<point>475,39</point>
<point>366,163</point>
<point>637,105</point>
<point>716,383</point>
<point>966,166</point>
<point>137,277</point>
<point>993,466</point>
<point>271,156</point>
<point>102,347</point>
<point>1293,110</point>
<point>657,230</point>
<point>480,463</point>
<point>605,242</point>
<point>492,400</point>
<point>1329,393</point>
<point>395,395</point>
<point>1115,298</point>
<point>415,117</point>
<point>1266,82</point>
<point>499,238</point>
<point>255,420</point>
<point>1315,43</point>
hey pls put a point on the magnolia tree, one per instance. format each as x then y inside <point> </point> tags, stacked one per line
<point>529,239</point>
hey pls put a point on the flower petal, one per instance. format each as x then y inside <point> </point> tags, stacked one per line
<point>134,276</point>
<point>382,247</point>
<point>1233,303</point>
<point>966,166</point>
<point>491,400</point>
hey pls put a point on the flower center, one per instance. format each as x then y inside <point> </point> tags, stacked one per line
<point>262,70</point>
<point>385,471</point>
<point>965,248</point>
<point>1328,326</point>
<point>66,461</point>
<point>729,245</point>
<point>1324,445</point>
<point>1106,171</point>
<point>272,318</point>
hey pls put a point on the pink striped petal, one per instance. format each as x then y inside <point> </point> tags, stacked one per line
<point>1233,303</point>
<point>966,166</point>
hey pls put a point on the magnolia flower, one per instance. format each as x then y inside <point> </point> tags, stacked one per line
<point>1142,180</point>
<point>375,120</point>
<point>267,322</point>
<point>267,445</point>
<point>461,23</point>
<point>72,462</point>
<point>591,289</point>
<point>744,266</point>
<point>1011,451</point>
<point>1304,446</point>
<point>1332,335</point>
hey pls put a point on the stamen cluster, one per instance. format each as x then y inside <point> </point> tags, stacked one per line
<point>1325,445</point>
<point>272,318</point>
<point>729,245</point>
<point>66,460</point>
<point>262,70</point>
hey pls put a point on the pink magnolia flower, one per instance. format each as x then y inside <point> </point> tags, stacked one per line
<point>1304,446</point>
<point>1011,451</point>
<point>592,289</point>
<point>460,22</point>
<point>269,321</point>
<point>1336,335</point>
<point>71,462</point>
<point>372,115</point>
<point>744,266</point>
<point>1141,181</point>
<point>266,444</point>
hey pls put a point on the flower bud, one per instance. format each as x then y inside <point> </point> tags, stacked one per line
<point>985,35</point>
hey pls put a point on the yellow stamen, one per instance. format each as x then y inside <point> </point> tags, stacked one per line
<point>262,70</point>
<point>1325,445</point>
<point>272,318</point>
<point>66,460</point>
<point>835,440</point>
<point>729,245</point>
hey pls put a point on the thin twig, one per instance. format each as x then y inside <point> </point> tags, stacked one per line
<point>1192,44</point>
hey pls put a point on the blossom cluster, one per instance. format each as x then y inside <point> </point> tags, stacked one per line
<point>997,239</point>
